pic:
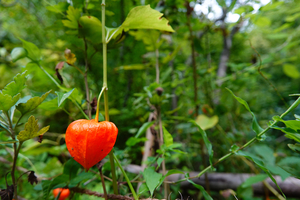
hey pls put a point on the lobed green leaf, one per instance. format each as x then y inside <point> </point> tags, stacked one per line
<point>7,101</point>
<point>31,104</point>
<point>31,130</point>
<point>16,86</point>
<point>73,15</point>
<point>90,28</point>
<point>143,17</point>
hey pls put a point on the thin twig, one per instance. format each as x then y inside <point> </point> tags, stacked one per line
<point>103,183</point>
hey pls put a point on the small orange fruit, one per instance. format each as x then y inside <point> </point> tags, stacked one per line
<point>89,141</point>
<point>64,193</point>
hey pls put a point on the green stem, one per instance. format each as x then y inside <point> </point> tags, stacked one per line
<point>58,85</point>
<point>79,107</point>
<point>98,104</point>
<point>292,107</point>
<point>126,177</point>
<point>78,69</point>
<point>104,42</point>
<point>54,81</point>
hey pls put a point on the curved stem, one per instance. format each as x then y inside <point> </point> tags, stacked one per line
<point>79,70</point>
<point>98,104</point>
<point>126,177</point>
<point>112,163</point>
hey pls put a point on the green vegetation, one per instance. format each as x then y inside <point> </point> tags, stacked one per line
<point>189,94</point>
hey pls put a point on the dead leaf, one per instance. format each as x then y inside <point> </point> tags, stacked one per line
<point>32,178</point>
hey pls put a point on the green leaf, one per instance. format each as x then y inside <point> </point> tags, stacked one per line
<point>71,168</point>
<point>290,165</point>
<point>243,9</point>
<point>265,152</point>
<point>294,147</point>
<point>206,141</point>
<point>255,125</point>
<point>159,161</point>
<point>18,53</point>
<point>234,148</point>
<point>207,122</point>
<point>144,17</point>
<point>46,188</point>
<point>291,71</point>
<point>49,105</point>
<point>222,3</point>
<point>33,52</point>
<point>292,124</point>
<point>58,8</point>
<point>80,177</point>
<point>31,130</point>
<point>61,97</point>
<point>152,178</point>
<point>7,101</point>
<point>16,86</point>
<point>254,179</point>
<point>90,28</point>
<point>260,164</point>
<point>272,5</point>
<point>262,21</point>
<point>168,139</point>
<point>143,128</point>
<point>170,172</point>
<point>133,141</point>
<point>59,181</point>
<point>76,96</point>
<point>73,15</point>
<point>31,104</point>
<point>142,189</point>
<point>149,38</point>
<point>204,193</point>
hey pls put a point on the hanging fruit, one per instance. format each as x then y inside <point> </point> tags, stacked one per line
<point>89,141</point>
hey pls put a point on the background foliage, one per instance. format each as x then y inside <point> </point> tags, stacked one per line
<point>272,31</point>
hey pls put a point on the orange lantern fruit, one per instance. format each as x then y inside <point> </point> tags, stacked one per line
<point>89,141</point>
